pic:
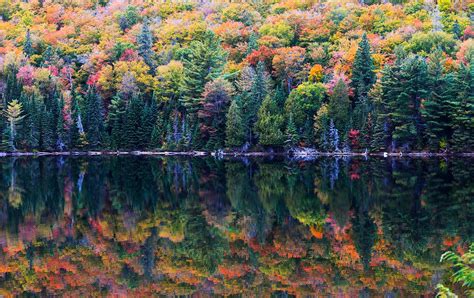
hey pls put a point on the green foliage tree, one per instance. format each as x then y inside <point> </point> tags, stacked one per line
<point>270,124</point>
<point>235,128</point>
<point>302,103</point>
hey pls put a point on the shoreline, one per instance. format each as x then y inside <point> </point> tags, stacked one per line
<point>197,153</point>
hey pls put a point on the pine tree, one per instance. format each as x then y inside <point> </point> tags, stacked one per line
<point>406,109</point>
<point>61,130</point>
<point>463,109</point>
<point>28,46</point>
<point>363,75</point>
<point>235,128</point>
<point>148,121</point>
<point>94,124</point>
<point>116,122</point>
<point>204,63</point>
<point>457,30</point>
<point>76,132</point>
<point>363,78</point>
<point>291,132</point>
<point>133,123</point>
<point>270,123</point>
<point>258,92</point>
<point>145,45</point>
<point>252,44</point>
<point>437,109</point>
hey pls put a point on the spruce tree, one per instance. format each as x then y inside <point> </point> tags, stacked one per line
<point>62,134</point>
<point>291,133</point>
<point>258,92</point>
<point>363,78</point>
<point>94,124</point>
<point>203,64</point>
<point>28,46</point>
<point>437,109</point>
<point>133,123</point>
<point>363,75</point>
<point>463,109</point>
<point>235,128</point>
<point>116,122</point>
<point>145,45</point>
<point>148,120</point>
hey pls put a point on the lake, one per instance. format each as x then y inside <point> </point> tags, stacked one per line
<point>136,226</point>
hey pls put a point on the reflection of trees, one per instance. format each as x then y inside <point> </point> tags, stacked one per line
<point>143,226</point>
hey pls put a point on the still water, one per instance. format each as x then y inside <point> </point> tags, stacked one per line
<point>136,226</point>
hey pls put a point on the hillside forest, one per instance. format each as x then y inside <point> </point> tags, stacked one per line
<point>338,76</point>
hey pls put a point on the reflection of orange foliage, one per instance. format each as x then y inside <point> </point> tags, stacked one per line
<point>317,232</point>
<point>451,241</point>
<point>233,271</point>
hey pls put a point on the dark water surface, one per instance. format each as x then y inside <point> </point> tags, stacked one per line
<point>136,226</point>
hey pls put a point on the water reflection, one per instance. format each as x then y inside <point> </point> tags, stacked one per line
<point>142,226</point>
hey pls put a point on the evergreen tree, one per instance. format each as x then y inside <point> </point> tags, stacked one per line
<point>408,127</point>
<point>94,124</point>
<point>252,44</point>
<point>252,100</point>
<point>133,123</point>
<point>28,46</point>
<point>437,112</point>
<point>116,122</point>
<point>463,109</point>
<point>148,121</point>
<point>457,30</point>
<point>269,126</point>
<point>77,134</point>
<point>61,130</point>
<point>235,128</point>
<point>363,75</point>
<point>203,64</point>
<point>363,78</point>
<point>291,132</point>
<point>145,45</point>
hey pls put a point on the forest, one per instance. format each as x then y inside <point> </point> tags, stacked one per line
<point>337,76</point>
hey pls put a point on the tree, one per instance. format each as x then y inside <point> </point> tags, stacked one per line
<point>14,115</point>
<point>216,97</point>
<point>291,132</point>
<point>116,122</point>
<point>133,124</point>
<point>203,63</point>
<point>363,78</point>
<point>363,75</point>
<point>145,45</point>
<point>235,128</point>
<point>259,87</point>
<point>94,124</point>
<point>302,103</point>
<point>270,124</point>
<point>437,108</point>
<point>339,106</point>
<point>463,109</point>
<point>28,45</point>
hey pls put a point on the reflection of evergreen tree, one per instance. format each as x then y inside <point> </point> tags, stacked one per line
<point>364,230</point>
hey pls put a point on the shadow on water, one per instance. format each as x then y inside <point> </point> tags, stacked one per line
<point>154,225</point>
